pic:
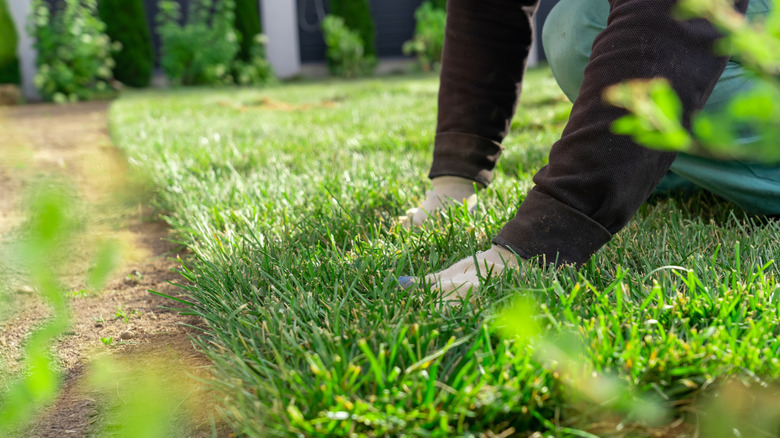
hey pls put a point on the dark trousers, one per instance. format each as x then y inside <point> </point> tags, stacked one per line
<point>595,180</point>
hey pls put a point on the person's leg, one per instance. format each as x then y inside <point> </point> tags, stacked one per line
<point>568,37</point>
<point>752,186</point>
<point>573,25</point>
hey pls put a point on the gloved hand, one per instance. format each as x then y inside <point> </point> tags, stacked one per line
<point>455,282</point>
<point>447,190</point>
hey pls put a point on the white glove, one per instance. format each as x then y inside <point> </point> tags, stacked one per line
<point>455,282</point>
<point>447,190</point>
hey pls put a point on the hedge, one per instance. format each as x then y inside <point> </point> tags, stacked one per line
<point>439,4</point>
<point>248,25</point>
<point>357,17</point>
<point>9,63</point>
<point>126,23</point>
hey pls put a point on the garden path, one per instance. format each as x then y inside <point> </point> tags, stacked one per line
<point>70,145</point>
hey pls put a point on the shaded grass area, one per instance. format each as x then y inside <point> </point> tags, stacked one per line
<point>287,195</point>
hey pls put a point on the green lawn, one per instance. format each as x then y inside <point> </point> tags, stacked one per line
<point>289,215</point>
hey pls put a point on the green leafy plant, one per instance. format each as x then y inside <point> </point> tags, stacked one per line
<point>80,293</point>
<point>655,110</point>
<point>126,23</point>
<point>109,341</point>
<point>345,50</point>
<point>251,67</point>
<point>656,113</point>
<point>134,277</point>
<point>149,401</point>
<point>51,227</point>
<point>9,63</point>
<point>257,70</point>
<point>202,49</point>
<point>74,52</point>
<point>428,41</point>
<point>357,18</point>
<point>106,261</point>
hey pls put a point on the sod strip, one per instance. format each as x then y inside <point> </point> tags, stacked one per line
<point>287,196</point>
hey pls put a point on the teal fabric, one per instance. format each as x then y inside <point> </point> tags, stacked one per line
<point>568,37</point>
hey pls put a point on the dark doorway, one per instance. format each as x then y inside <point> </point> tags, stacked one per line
<point>394,21</point>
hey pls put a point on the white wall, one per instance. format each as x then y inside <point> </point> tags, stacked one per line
<point>280,25</point>
<point>20,10</point>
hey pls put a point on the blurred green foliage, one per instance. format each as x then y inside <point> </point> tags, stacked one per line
<point>126,24</point>
<point>357,18</point>
<point>428,41</point>
<point>9,63</point>
<point>74,52</point>
<point>49,227</point>
<point>141,401</point>
<point>248,26</point>
<point>655,114</point>
<point>205,48</point>
<point>439,4</point>
<point>201,50</point>
<point>345,49</point>
<point>257,70</point>
<point>747,127</point>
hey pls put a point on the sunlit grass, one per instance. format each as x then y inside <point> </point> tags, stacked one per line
<point>289,211</point>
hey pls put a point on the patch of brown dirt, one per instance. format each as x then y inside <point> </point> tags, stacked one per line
<point>277,105</point>
<point>70,143</point>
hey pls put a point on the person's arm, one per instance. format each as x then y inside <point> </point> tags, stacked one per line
<point>485,53</point>
<point>595,180</point>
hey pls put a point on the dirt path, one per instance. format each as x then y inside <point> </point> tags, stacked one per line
<point>71,144</point>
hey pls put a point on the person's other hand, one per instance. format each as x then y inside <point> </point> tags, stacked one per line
<point>447,190</point>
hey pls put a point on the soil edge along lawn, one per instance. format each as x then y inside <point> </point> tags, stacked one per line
<point>122,346</point>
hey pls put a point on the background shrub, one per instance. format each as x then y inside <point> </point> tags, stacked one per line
<point>247,25</point>
<point>74,52</point>
<point>357,17</point>
<point>9,63</point>
<point>439,4</point>
<point>126,23</point>
<point>345,49</point>
<point>257,70</point>
<point>202,50</point>
<point>428,41</point>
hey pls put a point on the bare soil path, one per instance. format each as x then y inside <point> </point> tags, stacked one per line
<point>71,144</point>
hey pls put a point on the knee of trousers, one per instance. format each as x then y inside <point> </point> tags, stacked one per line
<point>567,37</point>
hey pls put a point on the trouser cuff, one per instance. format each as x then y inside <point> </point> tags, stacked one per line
<point>466,156</point>
<point>547,228</point>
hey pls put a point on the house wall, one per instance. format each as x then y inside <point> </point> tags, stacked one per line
<point>279,26</point>
<point>20,10</point>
